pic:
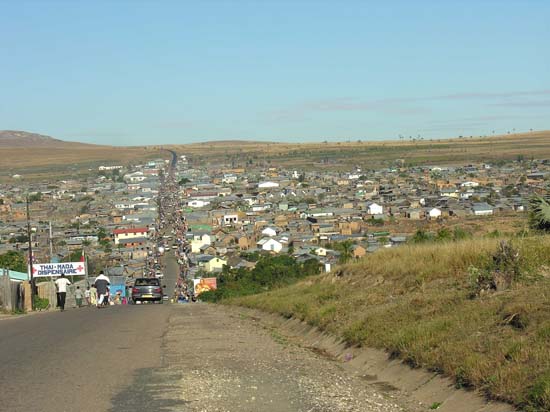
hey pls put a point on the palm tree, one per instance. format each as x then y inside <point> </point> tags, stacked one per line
<point>346,251</point>
<point>539,213</point>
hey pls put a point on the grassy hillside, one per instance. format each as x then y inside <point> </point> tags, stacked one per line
<point>373,154</point>
<point>69,159</point>
<point>427,305</point>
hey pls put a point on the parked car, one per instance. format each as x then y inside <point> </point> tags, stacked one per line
<point>147,289</point>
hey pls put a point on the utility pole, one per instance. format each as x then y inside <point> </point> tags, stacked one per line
<point>51,242</point>
<point>31,275</point>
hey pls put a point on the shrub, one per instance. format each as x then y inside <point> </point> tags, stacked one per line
<point>41,303</point>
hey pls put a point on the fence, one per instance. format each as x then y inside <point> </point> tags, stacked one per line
<point>13,294</point>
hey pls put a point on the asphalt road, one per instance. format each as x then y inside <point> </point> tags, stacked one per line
<point>79,359</point>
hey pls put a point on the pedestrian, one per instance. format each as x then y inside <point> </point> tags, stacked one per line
<point>61,283</point>
<point>102,283</point>
<point>78,297</point>
<point>93,295</point>
<point>87,295</point>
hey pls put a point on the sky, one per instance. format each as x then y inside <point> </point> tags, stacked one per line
<point>159,72</point>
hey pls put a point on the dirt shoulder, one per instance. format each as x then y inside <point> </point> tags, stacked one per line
<point>217,359</point>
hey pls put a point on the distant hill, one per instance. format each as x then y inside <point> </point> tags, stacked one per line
<point>54,158</point>
<point>17,138</point>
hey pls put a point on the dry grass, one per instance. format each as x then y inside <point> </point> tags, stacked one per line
<point>372,154</point>
<point>319,156</point>
<point>67,159</point>
<point>415,302</point>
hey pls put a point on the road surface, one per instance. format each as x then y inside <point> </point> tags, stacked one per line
<point>172,357</point>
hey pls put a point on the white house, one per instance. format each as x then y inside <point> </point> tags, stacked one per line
<point>375,209</point>
<point>434,213</point>
<point>110,167</point>
<point>270,244</point>
<point>132,233</point>
<point>230,219</point>
<point>267,185</point>
<point>229,178</point>
<point>134,177</point>
<point>482,209</point>
<point>197,203</point>
<point>199,241</point>
<point>469,184</point>
<point>269,231</point>
<point>321,251</point>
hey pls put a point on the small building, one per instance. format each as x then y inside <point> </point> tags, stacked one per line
<point>267,185</point>
<point>374,209</point>
<point>434,213</point>
<point>130,233</point>
<point>270,244</point>
<point>215,264</point>
<point>269,231</point>
<point>482,209</point>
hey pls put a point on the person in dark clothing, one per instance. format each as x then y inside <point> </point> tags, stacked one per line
<point>102,283</point>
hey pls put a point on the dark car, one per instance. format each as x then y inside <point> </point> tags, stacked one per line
<point>147,289</point>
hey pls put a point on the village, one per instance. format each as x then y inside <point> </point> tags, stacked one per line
<point>110,220</point>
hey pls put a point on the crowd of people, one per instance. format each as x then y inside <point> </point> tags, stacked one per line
<point>98,294</point>
<point>171,218</point>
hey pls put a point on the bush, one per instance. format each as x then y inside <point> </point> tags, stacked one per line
<point>41,303</point>
<point>270,272</point>
<point>499,273</point>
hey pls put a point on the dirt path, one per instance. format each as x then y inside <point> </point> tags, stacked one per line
<point>219,361</point>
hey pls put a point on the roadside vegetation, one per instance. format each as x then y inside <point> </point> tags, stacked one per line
<point>270,272</point>
<point>476,310</point>
<point>13,260</point>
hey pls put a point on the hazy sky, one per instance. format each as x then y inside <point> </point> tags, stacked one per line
<point>141,72</point>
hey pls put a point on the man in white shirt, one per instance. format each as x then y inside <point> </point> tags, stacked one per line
<point>61,283</point>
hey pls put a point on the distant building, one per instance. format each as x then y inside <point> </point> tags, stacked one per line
<point>110,167</point>
<point>482,209</point>
<point>131,233</point>
<point>267,185</point>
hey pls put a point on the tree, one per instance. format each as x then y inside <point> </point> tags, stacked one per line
<point>35,197</point>
<point>345,250</point>
<point>14,261</point>
<point>539,213</point>
<point>74,256</point>
<point>421,236</point>
<point>101,233</point>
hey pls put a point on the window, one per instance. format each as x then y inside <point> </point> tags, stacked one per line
<point>147,282</point>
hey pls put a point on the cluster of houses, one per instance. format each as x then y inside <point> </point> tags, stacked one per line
<point>108,215</point>
<point>231,211</point>
<point>234,211</point>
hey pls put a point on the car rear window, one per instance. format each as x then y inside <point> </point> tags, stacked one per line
<point>147,282</point>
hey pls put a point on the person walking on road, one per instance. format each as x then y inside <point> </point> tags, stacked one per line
<point>102,283</point>
<point>61,283</point>
<point>87,295</point>
<point>93,295</point>
<point>78,297</point>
